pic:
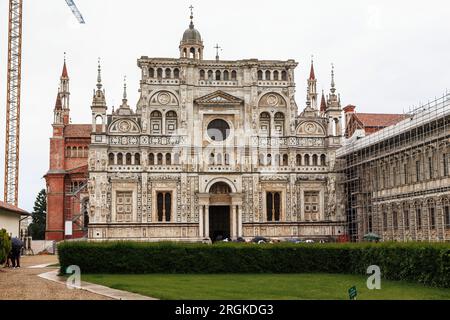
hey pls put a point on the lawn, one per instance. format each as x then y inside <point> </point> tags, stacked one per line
<point>264,287</point>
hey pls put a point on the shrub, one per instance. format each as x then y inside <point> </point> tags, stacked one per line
<point>425,263</point>
<point>5,245</point>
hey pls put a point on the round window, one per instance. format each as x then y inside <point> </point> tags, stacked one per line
<point>218,130</point>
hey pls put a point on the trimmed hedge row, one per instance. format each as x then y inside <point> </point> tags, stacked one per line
<point>425,263</point>
<point>5,245</point>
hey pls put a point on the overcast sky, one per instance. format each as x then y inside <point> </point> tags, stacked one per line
<point>389,55</point>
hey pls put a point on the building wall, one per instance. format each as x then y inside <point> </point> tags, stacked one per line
<point>10,222</point>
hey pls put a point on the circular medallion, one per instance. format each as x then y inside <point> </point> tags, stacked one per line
<point>164,98</point>
<point>310,128</point>
<point>124,126</point>
<point>272,100</point>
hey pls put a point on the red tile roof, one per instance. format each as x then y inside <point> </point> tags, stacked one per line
<point>380,120</point>
<point>78,131</point>
<point>7,207</point>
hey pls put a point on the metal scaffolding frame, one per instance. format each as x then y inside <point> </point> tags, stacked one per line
<point>377,170</point>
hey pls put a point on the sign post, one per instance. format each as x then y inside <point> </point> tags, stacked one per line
<point>352,293</point>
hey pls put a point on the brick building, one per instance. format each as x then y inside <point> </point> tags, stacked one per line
<point>67,177</point>
<point>367,123</point>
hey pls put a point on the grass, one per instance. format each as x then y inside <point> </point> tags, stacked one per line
<point>264,287</point>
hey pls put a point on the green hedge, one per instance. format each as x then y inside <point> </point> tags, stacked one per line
<point>5,245</point>
<point>419,262</point>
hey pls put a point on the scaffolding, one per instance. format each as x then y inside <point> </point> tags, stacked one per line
<point>397,180</point>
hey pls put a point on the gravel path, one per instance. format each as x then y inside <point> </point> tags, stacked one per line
<point>24,283</point>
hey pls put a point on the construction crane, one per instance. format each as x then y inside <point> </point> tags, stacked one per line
<point>75,11</point>
<point>14,78</point>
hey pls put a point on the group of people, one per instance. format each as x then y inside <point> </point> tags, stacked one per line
<point>13,260</point>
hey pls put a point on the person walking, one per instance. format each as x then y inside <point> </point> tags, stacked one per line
<point>17,245</point>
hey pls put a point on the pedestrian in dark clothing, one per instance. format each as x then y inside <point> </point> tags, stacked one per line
<point>17,245</point>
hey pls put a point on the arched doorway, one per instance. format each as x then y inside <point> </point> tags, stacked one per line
<point>220,211</point>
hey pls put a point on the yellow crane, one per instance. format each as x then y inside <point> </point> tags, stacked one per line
<point>14,77</point>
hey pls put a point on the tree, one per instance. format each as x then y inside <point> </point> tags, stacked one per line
<point>37,228</point>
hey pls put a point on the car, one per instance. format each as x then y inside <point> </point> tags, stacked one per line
<point>260,240</point>
<point>309,241</point>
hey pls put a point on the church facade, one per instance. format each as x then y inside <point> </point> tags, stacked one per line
<point>215,149</point>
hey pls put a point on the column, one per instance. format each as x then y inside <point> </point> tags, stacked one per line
<point>201,227</point>
<point>207,221</point>
<point>233,222</point>
<point>239,213</point>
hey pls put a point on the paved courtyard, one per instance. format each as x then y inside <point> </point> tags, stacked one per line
<point>24,283</point>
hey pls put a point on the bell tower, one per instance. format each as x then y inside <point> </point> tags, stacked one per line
<point>191,46</point>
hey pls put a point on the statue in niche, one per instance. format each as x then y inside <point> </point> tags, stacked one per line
<point>331,196</point>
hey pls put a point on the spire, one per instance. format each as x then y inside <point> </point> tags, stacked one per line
<point>124,89</point>
<point>333,84</point>
<point>312,75</point>
<point>58,104</point>
<point>99,76</point>
<point>323,103</point>
<point>64,74</point>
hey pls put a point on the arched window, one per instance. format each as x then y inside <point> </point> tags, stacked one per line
<point>432,214</point>
<point>171,122</point>
<point>276,75</point>
<point>395,220</point>
<point>315,160</point>
<point>151,159</point>
<point>202,74</point>
<point>159,72</point>
<point>323,160</point>
<point>284,76</point>
<point>160,159</point>
<point>273,206</point>
<point>268,75</point>
<point>226,75</point>
<point>279,124</point>
<point>111,159</point>
<point>137,159</point>
<point>307,160</point>
<point>298,160</point>
<point>233,75</point>
<point>192,53</point>
<point>269,160</point>
<point>446,210</point>
<point>176,73</point>
<point>98,124</point>
<point>406,216</point>
<point>260,75</point>
<point>156,122</point>
<point>219,159</point>
<point>218,75</point>
<point>128,159</point>
<point>176,159</point>
<point>120,159</point>
<point>168,159</point>
<point>168,73</point>
<point>212,159</point>
<point>285,160</point>
<point>151,73</point>
<point>210,75</point>
<point>418,216</point>
<point>264,124</point>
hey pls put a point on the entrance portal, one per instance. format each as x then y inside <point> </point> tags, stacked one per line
<point>219,223</point>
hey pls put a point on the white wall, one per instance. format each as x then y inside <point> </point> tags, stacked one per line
<point>10,222</point>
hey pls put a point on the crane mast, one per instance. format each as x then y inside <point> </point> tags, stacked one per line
<point>75,11</point>
<point>11,194</point>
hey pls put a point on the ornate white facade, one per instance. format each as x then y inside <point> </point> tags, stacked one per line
<point>215,149</point>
